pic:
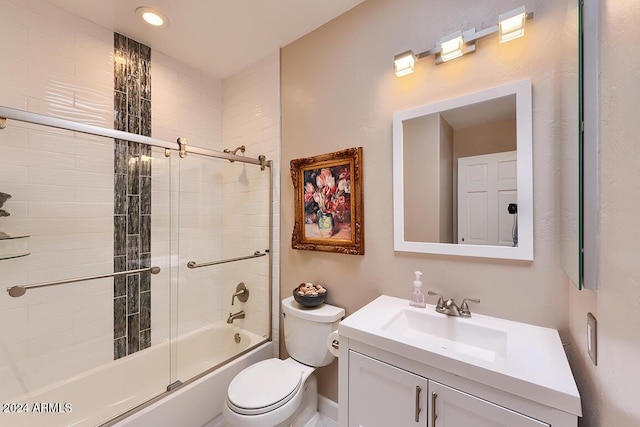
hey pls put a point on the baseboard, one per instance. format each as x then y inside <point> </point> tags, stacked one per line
<point>216,422</point>
<point>328,408</point>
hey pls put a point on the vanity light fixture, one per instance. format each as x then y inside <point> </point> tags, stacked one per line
<point>403,63</point>
<point>451,46</point>
<point>152,16</point>
<point>510,26</point>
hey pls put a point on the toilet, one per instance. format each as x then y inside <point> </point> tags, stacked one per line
<point>277,392</point>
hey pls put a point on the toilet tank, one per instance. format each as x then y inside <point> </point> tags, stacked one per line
<point>306,331</point>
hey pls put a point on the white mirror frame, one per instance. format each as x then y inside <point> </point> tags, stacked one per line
<point>524,157</point>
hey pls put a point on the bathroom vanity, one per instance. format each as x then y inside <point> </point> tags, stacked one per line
<point>408,366</point>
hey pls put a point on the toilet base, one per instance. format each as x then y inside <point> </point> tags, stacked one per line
<point>307,408</point>
<point>309,404</point>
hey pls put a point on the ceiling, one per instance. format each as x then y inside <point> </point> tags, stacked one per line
<point>218,37</point>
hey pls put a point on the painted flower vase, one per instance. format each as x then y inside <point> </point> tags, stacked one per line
<point>325,224</point>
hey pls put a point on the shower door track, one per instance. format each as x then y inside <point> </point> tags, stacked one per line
<point>41,119</point>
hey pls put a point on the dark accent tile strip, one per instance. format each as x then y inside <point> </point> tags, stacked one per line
<point>120,314</point>
<point>133,216</point>
<point>134,125</point>
<point>133,293</point>
<point>120,71</point>
<point>133,96</point>
<point>145,80</point>
<point>133,333</point>
<point>119,235</point>
<point>145,233</point>
<point>120,347</point>
<point>121,156</point>
<point>132,196</point>
<point>145,117</point>
<point>120,42</point>
<point>145,52</point>
<point>133,252</point>
<point>120,194</point>
<point>133,61</point>
<point>145,338</point>
<point>120,110</point>
<point>145,310</point>
<point>145,195</point>
<point>119,282</point>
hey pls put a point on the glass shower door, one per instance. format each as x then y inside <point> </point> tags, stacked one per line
<point>224,242</point>
<point>88,337</point>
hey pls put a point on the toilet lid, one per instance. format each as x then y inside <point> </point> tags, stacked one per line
<point>264,386</point>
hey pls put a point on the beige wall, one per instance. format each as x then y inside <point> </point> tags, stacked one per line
<point>445,182</point>
<point>339,91</point>
<point>610,390</point>
<point>488,138</point>
<point>422,185</point>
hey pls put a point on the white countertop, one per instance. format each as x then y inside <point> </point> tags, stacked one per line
<point>532,364</point>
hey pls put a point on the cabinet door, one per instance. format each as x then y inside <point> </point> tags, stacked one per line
<point>381,395</point>
<point>454,408</point>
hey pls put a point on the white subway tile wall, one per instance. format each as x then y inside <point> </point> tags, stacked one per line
<point>251,117</point>
<point>186,103</point>
<point>62,195</point>
<point>62,186</point>
<point>223,207</point>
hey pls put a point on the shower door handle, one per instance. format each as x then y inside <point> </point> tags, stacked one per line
<point>256,254</point>
<point>19,290</point>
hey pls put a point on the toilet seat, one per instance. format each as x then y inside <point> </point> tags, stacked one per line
<point>264,387</point>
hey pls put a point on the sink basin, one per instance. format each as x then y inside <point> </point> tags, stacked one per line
<point>455,334</point>
<point>518,358</point>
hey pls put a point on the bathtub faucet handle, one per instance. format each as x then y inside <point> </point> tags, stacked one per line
<point>242,293</point>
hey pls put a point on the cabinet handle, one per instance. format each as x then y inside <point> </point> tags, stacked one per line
<point>434,396</point>
<point>417,415</point>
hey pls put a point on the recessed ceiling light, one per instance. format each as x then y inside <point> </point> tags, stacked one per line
<point>152,16</point>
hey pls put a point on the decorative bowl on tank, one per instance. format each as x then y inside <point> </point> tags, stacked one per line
<point>310,295</point>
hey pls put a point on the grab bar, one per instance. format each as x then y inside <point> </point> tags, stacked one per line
<point>256,254</point>
<point>19,290</point>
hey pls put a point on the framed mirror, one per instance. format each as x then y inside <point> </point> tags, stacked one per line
<point>462,175</point>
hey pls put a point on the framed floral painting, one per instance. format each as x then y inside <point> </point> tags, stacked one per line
<point>328,202</point>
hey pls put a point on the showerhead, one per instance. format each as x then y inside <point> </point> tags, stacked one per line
<point>241,148</point>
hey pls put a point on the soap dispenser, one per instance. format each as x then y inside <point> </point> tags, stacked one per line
<point>417,297</point>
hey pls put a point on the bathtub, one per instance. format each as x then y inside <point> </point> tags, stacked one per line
<point>90,398</point>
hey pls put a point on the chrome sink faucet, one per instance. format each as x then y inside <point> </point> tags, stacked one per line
<point>450,308</point>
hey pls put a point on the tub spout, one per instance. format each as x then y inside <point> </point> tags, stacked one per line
<point>234,316</point>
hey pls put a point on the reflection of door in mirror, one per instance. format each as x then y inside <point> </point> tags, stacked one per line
<point>487,185</point>
<point>433,145</point>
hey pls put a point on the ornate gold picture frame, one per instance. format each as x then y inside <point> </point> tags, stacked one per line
<point>329,202</point>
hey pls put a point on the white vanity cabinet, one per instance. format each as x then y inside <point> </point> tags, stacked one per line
<point>454,408</point>
<point>383,395</point>
<point>397,369</point>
